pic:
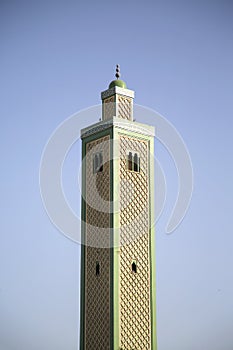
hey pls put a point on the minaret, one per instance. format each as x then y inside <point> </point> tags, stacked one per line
<point>118,257</point>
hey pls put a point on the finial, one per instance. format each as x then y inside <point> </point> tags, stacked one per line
<point>118,74</point>
<point>117,82</point>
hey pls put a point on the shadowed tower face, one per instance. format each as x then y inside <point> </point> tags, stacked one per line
<point>118,260</point>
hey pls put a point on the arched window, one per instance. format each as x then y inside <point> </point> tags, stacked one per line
<point>134,267</point>
<point>98,163</point>
<point>136,161</point>
<point>130,161</point>
<point>133,161</point>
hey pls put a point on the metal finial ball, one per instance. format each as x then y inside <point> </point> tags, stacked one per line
<point>118,74</point>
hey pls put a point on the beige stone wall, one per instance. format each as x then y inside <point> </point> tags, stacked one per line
<point>118,106</point>
<point>134,300</point>
<point>97,288</point>
<point>124,107</point>
<point>135,321</point>
<point>109,108</point>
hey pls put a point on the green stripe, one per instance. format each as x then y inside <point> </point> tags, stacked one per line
<point>152,250</point>
<point>82,286</point>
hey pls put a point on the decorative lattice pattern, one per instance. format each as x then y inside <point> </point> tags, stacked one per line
<point>109,107</point>
<point>124,107</point>
<point>97,288</point>
<point>135,321</point>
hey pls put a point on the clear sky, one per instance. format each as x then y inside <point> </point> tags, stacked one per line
<point>55,59</point>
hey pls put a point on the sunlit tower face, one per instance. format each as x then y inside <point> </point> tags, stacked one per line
<point>118,260</point>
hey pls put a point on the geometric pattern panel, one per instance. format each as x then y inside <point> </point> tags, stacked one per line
<point>135,308</point>
<point>124,107</point>
<point>109,107</point>
<point>97,287</point>
<point>98,194</point>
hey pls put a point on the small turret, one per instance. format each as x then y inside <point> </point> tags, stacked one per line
<point>117,100</point>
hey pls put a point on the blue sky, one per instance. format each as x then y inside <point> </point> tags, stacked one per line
<point>56,58</point>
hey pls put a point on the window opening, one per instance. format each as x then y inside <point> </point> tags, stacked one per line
<point>134,267</point>
<point>98,163</point>
<point>133,162</point>
<point>97,269</point>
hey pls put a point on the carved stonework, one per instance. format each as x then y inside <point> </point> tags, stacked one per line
<point>109,108</point>
<point>117,90</point>
<point>124,107</point>
<point>97,288</point>
<point>135,322</point>
<point>120,123</point>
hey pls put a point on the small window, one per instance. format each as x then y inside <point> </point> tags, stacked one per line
<point>134,267</point>
<point>133,161</point>
<point>98,162</point>
<point>97,268</point>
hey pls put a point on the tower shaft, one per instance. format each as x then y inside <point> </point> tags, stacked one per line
<point>118,260</point>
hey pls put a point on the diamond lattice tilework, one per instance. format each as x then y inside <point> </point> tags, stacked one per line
<point>135,322</point>
<point>109,107</point>
<point>124,107</point>
<point>97,288</point>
